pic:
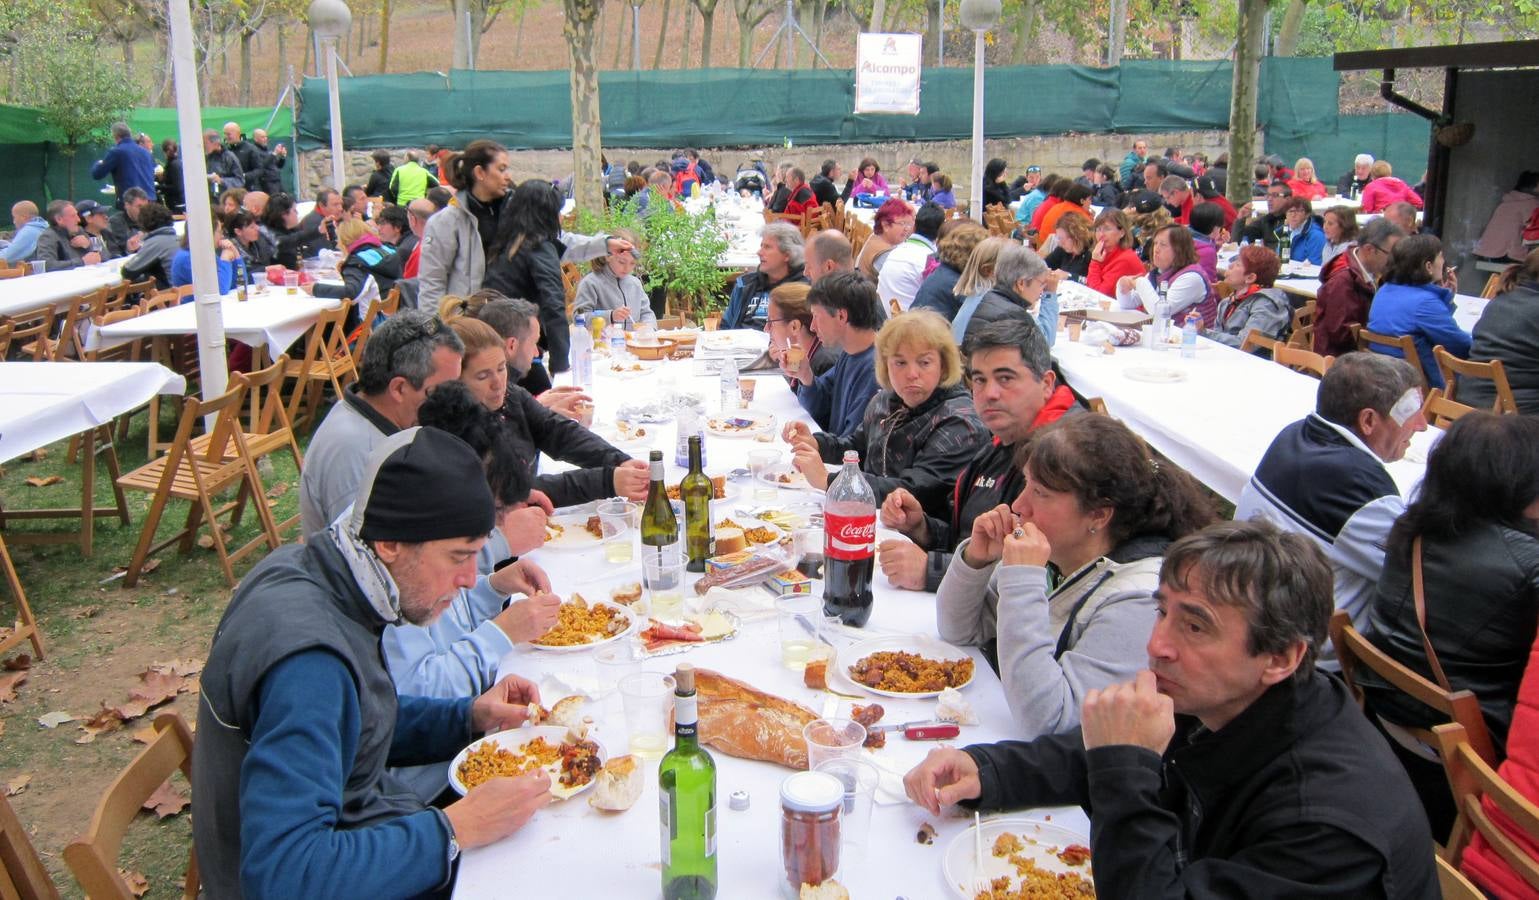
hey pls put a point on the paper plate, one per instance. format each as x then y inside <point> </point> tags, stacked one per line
<point>1041,842</point>
<point>515,738</point>
<point>745,423</point>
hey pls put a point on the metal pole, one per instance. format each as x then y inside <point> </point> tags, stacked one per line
<point>195,185</point>
<point>977,204</point>
<point>336,114</point>
<point>636,36</point>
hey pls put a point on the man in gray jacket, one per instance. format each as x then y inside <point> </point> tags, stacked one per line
<point>157,249</point>
<point>405,358</point>
<point>62,245</point>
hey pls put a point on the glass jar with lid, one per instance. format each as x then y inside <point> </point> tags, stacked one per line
<point>810,805</point>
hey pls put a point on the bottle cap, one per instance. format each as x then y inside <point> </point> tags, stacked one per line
<point>738,800</point>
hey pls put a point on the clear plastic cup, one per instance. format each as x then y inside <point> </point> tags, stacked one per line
<point>832,739</point>
<point>612,663</point>
<point>662,574</point>
<point>760,462</point>
<point>860,778</point>
<point>799,615</point>
<point>291,281</point>
<point>615,521</point>
<point>648,701</point>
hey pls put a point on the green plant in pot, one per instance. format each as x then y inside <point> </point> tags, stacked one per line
<point>680,254</point>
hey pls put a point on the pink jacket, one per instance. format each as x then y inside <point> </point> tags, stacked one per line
<point>1381,192</point>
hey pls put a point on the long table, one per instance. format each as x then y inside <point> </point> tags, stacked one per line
<point>571,850</point>
<point>56,288</point>
<point>270,316</point>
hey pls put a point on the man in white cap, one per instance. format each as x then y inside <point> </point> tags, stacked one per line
<point>1352,183</point>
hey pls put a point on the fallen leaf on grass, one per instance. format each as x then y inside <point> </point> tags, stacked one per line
<point>88,612</point>
<point>54,719</point>
<point>166,801</point>
<point>145,735</point>
<point>279,489</point>
<point>138,885</point>
<point>35,481</point>
<point>17,785</point>
<point>104,721</point>
<point>179,667</point>
<point>9,683</point>
<point>17,663</point>
<point>155,687</point>
<point>39,454</point>
<point>149,566</point>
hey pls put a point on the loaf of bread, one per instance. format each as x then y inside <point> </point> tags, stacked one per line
<point>740,720</point>
<point>730,540</point>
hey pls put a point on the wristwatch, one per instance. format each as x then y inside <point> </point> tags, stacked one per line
<point>454,844</point>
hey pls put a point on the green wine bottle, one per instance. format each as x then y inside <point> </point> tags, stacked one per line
<point>659,527</point>
<point>661,570</point>
<point>696,491</point>
<point>687,796</point>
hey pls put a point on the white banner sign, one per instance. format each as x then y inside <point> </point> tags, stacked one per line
<point>887,73</point>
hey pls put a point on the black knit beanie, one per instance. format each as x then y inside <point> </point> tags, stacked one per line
<point>423,484</point>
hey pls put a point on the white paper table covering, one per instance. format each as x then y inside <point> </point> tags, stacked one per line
<point>29,291</point>
<point>571,850</point>
<point>43,402</point>
<point>268,317</point>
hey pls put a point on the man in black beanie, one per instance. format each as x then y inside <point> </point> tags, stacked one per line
<point>298,716</point>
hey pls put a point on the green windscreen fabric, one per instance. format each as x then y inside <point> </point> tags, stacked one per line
<point>1401,138</point>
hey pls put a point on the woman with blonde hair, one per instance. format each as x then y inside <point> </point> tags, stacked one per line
<point>1304,182</point>
<point>365,257</point>
<point>612,288</point>
<point>977,279</point>
<point>919,430</point>
<point>1384,189</point>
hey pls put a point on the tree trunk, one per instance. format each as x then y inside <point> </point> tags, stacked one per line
<point>384,34</point>
<point>878,15</point>
<point>283,59</point>
<point>128,52</point>
<point>1025,24</point>
<point>581,17</point>
<point>707,26</point>
<point>932,25</point>
<point>461,37</point>
<point>518,39</point>
<point>1242,109</point>
<point>662,32</point>
<point>245,66</point>
<point>1288,32</point>
<point>689,34</point>
<point>821,16</point>
<point>477,28</point>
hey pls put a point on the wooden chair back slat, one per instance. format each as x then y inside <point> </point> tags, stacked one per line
<point>22,875</point>
<point>93,858</point>
<point>1255,340</point>
<point>31,331</point>
<point>1441,412</point>
<point>1366,340</point>
<point>1473,780</point>
<point>1302,360</point>
<point>1454,368</point>
<point>1356,652</point>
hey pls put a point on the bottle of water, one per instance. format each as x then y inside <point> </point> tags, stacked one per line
<point>582,353</point>
<point>617,341</point>
<point>1161,328</point>
<point>1189,331</point>
<point>731,393</point>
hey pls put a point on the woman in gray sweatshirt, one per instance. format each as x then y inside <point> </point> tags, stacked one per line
<point>1060,584</point>
<point>611,287</point>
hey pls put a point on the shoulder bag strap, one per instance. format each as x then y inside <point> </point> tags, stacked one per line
<point>1419,595</point>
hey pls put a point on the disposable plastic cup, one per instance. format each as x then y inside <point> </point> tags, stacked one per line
<point>797,614</point>
<point>615,518</point>
<point>832,739</point>
<point>291,282</point>
<point>860,778</point>
<point>648,702</point>
<point>611,663</point>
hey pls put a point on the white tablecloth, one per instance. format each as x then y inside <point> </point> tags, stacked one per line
<point>571,850</point>
<point>1219,420</point>
<point>43,402</point>
<point>1467,309</point>
<point>268,317</point>
<point>18,294</point>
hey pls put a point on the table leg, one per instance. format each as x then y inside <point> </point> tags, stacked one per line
<point>87,490</point>
<point>26,624</point>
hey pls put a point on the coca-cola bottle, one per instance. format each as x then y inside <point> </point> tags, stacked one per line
<point>849,544</point>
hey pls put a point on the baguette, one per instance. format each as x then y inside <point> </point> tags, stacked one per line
<point>743,721</point>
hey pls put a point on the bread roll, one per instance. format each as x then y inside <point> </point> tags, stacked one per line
<point>567,711</point>
<point>828,890</point>
<point>741,720</point>
<point>730,540</point>
<point>618,785</point>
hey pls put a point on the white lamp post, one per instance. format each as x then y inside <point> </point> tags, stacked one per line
<point>636,35</point>
<point>980,16</point>
<point>330,19</point>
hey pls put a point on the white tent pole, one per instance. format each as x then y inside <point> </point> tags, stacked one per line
<point>200,230</point>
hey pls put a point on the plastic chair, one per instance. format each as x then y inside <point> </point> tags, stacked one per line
<point>93,857</point>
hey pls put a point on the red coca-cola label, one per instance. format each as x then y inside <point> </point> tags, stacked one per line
<point>849,537</point>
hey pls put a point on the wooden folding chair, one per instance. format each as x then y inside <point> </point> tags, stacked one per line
<point>570,277</point>
<point>1473,780</point>
<point>1454,368</point>
<point>267,431</point>
<point>1441,412</point>
<point>392,302</point>
<point>1300,360</point>
<point>326,360</point>
<point>1493,284</point>
<point>1301,332</point>
<point>1255,340</point>
<point>93,857</point>
<point>1356,652</point>
<point>5,338</point>
<point>186,474</point>
<point>1096,405</point>
<point>32,332</point>
<point>22,875</point>
<point>1453,883</point>
<point>77,317</point>
<point>1404,343</point>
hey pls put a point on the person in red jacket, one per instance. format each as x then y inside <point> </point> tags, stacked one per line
<point>1344,298</point>
<point>1207,189</point>
<point>1177,194</point>
<point>802,198</point>
<point>1113,255</point>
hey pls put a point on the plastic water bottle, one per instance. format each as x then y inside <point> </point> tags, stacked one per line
<point>617,342</point>
<point>1161,321</point>
<point>582,353</point>
<point>1190,328</point>
<point>731,393</point>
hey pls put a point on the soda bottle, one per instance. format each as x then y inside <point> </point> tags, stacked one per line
<point>849,544</point>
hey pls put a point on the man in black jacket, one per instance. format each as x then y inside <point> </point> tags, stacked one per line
<point>246,153</point>
<point>62,245</point>
<point>1233,768</point>
<point>270,159</point>
<point>319,226</point>
<point>224,168</point>
<point>825,184</point>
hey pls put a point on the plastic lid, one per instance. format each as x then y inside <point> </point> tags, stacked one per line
<point>813,792</point>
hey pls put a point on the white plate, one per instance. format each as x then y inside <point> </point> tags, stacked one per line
<point>630,625</point>
<point>1155,374</point>
<point>574,537</point>
<point>760,423</point>
<point>515,738</point>
<point>958,863</point>
<point>617,438</point>
<point>797,482</point>
<point>912,643</point>
<point>749,523</point>
<point>625,369</point>
<point>728,341</point>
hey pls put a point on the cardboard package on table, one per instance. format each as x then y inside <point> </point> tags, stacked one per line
<point>780,584</point>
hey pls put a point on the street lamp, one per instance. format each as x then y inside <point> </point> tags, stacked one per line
<point>636,35</point>
<point>330,19</point>
<point>980,16</point>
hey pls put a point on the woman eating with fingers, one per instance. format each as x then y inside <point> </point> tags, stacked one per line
<point>1101,510</point>
<point>919,430</point>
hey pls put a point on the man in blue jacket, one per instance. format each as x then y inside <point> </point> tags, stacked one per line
<point>298,717</point>
<point>128,164</point>
<point>29,226</point>
<point>846,313</point>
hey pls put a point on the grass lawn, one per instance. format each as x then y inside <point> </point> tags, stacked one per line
<point>100,637</point>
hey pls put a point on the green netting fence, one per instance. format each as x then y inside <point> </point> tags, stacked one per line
<point>36,168</point>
